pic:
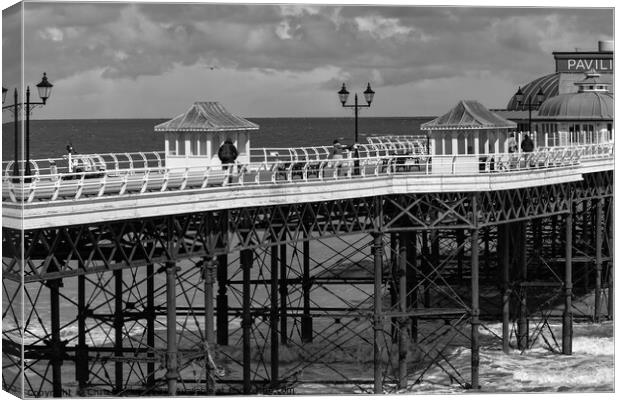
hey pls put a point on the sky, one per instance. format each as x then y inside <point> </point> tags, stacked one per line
<point>152,60</point>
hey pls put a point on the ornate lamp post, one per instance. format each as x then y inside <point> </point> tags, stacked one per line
<point>45,90</point>
<point>343,94</point>
<point>540,96</point>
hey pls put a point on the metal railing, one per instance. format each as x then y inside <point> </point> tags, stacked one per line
<point>143,178</point>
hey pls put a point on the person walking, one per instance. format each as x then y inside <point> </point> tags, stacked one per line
<point>227,154</point>
<point>336,154</point>
<point>527,146</point>
<point>511,143</point>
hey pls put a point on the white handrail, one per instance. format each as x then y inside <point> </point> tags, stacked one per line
<point>138,181</point>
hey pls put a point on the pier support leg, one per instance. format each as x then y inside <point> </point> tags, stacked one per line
<point>209,278</point>
<point>378,310</point>
<point>587,213</point>
<point>273,318</point>
<point>434,263</point>
<point>460,238</point>
<point>222,300</point>
<point>306,319</point>
<point>412,280</point>
<point>150,325</point>
<point>393,283</point>
<point>504,246</point>
<point>567,318</point>
<point>283,295</point>
<point>598,264</point>
<point>81,352</point>
<point>522,326</point>
<point>403,337</point>
<point>246,319</point>
<point>475,311</point>
<point>57,349</point>
<point>172,373</point>
<point>610,278</point>
<point>118,330</point>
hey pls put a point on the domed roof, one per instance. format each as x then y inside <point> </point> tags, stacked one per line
<point>578,106</point>
<point>549,84</point>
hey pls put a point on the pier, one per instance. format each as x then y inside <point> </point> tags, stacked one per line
<point>295,274</point>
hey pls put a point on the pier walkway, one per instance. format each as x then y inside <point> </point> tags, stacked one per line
<point>123,186</point>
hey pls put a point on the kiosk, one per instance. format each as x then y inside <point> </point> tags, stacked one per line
<point>194,137</point>
<point>461,138</point>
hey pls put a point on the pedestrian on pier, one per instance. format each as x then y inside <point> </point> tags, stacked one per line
<point>511,143</point>
<point>355,152</point>
<point>527,145</point>
<point>227,154</point>
<point>336,154</point>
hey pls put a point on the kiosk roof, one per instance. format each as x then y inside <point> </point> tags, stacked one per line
<point>206,116</point>
<point>469,114</point>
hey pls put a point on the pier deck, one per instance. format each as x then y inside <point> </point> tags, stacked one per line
<point>296,276</point>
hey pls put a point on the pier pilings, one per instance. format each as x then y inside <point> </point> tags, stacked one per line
<point>365,295</point>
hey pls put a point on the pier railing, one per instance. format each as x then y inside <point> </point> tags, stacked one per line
<point>141,179</point>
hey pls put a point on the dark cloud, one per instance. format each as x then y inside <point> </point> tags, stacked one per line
<point>398,44</point>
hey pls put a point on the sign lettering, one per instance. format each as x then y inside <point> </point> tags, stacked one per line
<point>584,64</point>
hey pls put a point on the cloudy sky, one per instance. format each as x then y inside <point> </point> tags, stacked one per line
<point>138,60</point>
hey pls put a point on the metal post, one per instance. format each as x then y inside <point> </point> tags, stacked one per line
<point>283,294</point>
<point>586,213</point>
<point>487,252</point>
<point>412,281</point>
<point>393,282</point>
<point>171,328</point>
<point>567,318</point>
<point>81,352</point>
<point>378,309</point>
<point>434,263</point>
<point>599,258</point>
<point>150,325</point>
<point>118,330</point>
<point>222,300</point>
<point>274,318</point>
<point>16,123</point>
<point>522,326</point>
<point>356,114</point>
<point>460,238</point>
<point>306,320</point>
<point>27,111</point>
<point>57,349</point>
<point>504,240</point>
<point>208,272</point>
<point>403,339</point>
<point>475,311</point>
<point>553,235</point>
<point>246,322</point>
<point>610,247</point>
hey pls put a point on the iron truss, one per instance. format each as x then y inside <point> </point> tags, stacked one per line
<point>364,295</point>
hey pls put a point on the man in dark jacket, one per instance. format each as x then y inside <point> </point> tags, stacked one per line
<point>227,153</point>
<point>527,145</point>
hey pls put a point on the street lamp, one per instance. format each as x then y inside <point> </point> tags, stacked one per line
<point>45,90</point>
<point>540,96</point>
<point>343,95</point>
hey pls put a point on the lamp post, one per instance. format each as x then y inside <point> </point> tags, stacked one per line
<point>45,90</point>
<point>539,99</point>
<point>343,94</point>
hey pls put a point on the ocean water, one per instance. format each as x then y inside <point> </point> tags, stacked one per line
<point>48,138</point>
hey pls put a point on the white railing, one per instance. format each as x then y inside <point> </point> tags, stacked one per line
<point>140,180</point>
<point>90,163</point>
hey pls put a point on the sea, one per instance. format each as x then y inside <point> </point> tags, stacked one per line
<point>591,367</point>
<point>49,138</point>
